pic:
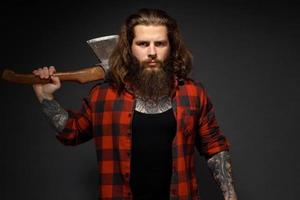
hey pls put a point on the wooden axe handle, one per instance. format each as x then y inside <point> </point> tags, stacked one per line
<point>85,75</point>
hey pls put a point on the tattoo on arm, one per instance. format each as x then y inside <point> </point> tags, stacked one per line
<point>220,165</point>
<point>55,114</point>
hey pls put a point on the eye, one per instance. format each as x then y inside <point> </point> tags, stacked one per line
<point>143,44</point>
<point>160,44</point>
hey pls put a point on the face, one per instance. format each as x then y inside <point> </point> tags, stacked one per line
<point>150,45</point>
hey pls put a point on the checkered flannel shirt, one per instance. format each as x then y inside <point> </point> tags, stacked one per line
<point>107,117</point>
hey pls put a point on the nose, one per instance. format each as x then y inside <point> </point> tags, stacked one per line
<point>152,52</point>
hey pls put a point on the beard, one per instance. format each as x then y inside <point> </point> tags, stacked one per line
<point>152,82</point>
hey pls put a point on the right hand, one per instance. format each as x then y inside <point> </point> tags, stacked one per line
<point>45,91</point>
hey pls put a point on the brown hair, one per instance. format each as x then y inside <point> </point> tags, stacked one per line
<point>121,59</point>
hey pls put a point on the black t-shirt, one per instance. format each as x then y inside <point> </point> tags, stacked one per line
<point>151,161</point>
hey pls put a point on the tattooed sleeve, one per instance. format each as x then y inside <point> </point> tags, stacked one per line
<point>55,114</point>
<point>220,166</point>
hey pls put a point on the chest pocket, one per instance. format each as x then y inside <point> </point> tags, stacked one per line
<point>190,121</point>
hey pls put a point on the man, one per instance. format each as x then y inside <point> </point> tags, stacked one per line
<point>146,118</point>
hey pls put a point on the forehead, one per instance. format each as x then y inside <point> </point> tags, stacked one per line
<point>150,32</point>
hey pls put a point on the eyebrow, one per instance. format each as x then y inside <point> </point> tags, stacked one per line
<point>147,41</point>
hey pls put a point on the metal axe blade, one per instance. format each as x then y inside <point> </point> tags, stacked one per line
<point>103,47</point>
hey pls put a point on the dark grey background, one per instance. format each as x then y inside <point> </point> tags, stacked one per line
<point>245,53</point>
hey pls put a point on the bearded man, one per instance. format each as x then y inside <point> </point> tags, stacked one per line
<point>146,117</point>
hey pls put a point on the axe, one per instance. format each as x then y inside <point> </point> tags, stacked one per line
<point>102,48</point>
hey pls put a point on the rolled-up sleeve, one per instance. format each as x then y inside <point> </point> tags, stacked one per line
<point>210,139</point>
<point>78,128</point>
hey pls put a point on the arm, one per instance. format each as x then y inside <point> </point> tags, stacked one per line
<point>56,115</point>
<point>214,146</point>
<point>73,128</point>
<point>220,166</point>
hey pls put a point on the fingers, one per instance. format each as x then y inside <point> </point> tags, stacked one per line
<point>35,72</point>
<point>44,72</point>
<point>41,72</point>
<point>52,70</point>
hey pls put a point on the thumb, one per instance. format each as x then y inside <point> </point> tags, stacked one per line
<point>55,80</point>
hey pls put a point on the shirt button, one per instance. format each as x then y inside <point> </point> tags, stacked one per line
<point>129,114</point>
<point>128,154</point>
<point>126,175</point>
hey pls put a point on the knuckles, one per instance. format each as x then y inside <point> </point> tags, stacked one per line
<point>44,72</point>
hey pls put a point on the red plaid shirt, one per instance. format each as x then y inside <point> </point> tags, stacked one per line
<point>107,117</point>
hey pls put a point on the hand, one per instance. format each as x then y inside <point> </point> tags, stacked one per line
<point>45,91</point>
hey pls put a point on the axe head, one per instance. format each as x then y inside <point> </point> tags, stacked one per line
<point>103,47</point>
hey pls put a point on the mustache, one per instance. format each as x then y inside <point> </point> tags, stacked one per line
<point>147,63</point>
<point>152,60</point>
<point>136,65</point>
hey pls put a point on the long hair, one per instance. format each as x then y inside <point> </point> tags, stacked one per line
<point>121,59</point>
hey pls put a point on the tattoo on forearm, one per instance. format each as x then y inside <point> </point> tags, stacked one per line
<point>220,165</point>
<point>55,113</point>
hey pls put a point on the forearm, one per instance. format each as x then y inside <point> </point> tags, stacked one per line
<point>56,115</point>
<point>220,166</point>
